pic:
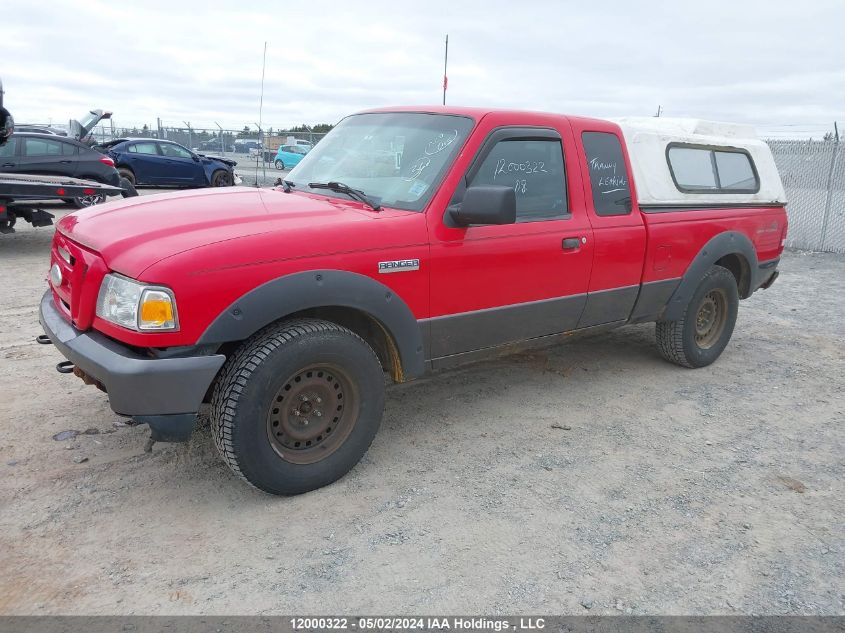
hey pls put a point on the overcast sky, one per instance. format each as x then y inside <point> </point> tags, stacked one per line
<point>777,64</point>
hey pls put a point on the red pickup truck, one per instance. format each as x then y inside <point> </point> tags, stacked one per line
<point>408,240</point>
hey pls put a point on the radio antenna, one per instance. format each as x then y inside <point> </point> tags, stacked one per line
<point>445,62</point>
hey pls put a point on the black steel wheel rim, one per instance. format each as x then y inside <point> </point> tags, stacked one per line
<point>312,414</point>
<point>710,319</point>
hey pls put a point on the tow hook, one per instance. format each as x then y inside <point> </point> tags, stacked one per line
<point>65,367</point>
<point>43,339</point>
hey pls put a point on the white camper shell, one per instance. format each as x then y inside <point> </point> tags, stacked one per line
<point>690,163</point>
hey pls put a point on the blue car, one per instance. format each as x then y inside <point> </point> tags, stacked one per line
<point>289,156</point>
<point>147,161</point>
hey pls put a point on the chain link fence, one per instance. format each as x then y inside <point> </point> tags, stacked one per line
<point>813,174</point>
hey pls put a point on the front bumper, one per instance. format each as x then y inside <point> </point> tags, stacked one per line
<point>151,390</point>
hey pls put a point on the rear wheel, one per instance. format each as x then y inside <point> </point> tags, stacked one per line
<point>127,174</point>
<point>279,164</point>
<point>221,178</point>
<point>298,406</point>
<point>128,188</point>
<point>700,336</point>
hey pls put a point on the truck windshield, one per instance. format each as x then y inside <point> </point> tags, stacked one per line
<point>396,159</point>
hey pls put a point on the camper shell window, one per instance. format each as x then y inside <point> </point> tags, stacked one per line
<point>711,169</point>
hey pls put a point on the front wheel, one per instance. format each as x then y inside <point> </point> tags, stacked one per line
<point>127,188</point>
<point>221,178</point>
<point>700,336</point>
<point>279,164</point>
<point>297,406</point>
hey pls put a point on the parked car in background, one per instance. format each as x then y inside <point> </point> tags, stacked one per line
<point>40,129</point>
<point>289,156</point>
<point>145,161</point>
<point>29,153</point>
<point>246,145</point>
<point>214,145</point>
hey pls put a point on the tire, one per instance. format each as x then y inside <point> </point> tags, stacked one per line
<point>221,178</point>
<point>279,164</point>
<point>291,385</point>
<point>129,190</point>
<point>127,174</point>
<point>700,336</point>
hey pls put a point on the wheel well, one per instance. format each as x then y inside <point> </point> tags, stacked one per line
<point>741,271</point>
<point>363,324</point>
<point>368,328</point>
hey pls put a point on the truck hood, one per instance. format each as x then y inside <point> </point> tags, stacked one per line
<point>133,234</point>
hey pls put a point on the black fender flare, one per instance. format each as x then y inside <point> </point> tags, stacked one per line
<point>293,293</point>
<point>727,243</point>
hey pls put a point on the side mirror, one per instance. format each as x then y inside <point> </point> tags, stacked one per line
<point>195,157</point>
<point>486,204</point>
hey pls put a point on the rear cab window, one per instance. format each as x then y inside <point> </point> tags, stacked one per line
<point>609,180</point>
<point>711,169</point>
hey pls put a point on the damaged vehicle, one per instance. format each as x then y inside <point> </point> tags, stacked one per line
<point>149,161</point>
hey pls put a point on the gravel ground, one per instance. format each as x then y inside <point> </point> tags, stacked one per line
<point>590,478</point>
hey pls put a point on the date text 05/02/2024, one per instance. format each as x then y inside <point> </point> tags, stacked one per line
<point>456,623</point>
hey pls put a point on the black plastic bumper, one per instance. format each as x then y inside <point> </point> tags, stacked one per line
<point>150,390</point>
<point>767,273</point>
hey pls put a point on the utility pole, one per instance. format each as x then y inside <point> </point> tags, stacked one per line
<point>659,110</point>
<point>190,136</point>
<point>445,63</point>
<point>222,146</point>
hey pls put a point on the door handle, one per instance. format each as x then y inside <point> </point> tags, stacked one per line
<point>7,165</point>
<point>65,162</point>
<point>571,243</point>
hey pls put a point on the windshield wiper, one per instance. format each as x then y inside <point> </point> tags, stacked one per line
<point>355,194</point>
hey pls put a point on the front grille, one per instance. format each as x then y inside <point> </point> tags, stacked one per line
<point>82,271</point>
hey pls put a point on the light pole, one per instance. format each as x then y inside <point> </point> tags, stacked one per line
<point>222,146</point>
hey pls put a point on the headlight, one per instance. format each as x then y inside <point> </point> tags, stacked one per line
<point>135,305</point>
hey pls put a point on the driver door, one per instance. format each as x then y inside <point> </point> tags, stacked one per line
<point>497,284</point>
<point>180,166</point>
